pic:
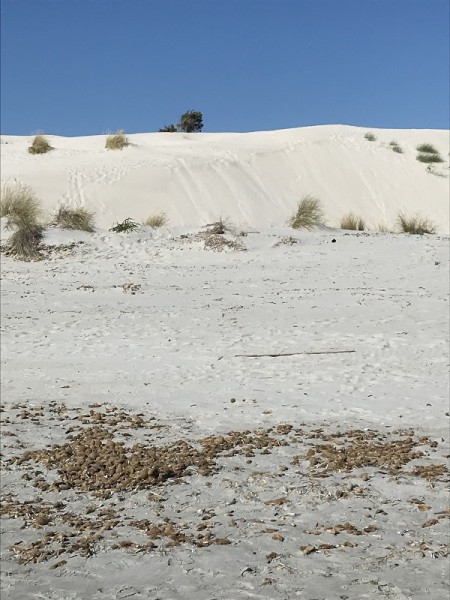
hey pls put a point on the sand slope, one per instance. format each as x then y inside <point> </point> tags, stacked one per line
<point>254,179</point>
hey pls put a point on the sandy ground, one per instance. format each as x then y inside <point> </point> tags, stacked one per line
<point>145,457</point>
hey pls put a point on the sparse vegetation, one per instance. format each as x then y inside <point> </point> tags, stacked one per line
<point>74,218</point>
<point>156,220</point>
<point>428,154</point>
<point>126,226</point>
<point>21,209</point>
<point>429,158</point>
<point>39,145</point>
<point>395,146</point>
<point>24,242</point>
<point>353,222</point>
<point>218,227</point>
<point>309,214</point>
<point>416,225</point>
<point>219,236</point>
<point>397,149</point>
<point>169,129</point>
<point>19,206</point>
<point>370,136</point>
<point>117,141</point>
<point>383,228</point>
<point>191,121</point>
<point>427,149</point>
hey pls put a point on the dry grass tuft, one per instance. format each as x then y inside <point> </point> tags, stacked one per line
<point>74,218</point>
<point>353,222</point>
<point>370,136</point>
<point>309,214</point>
<point>415,225</point>
<point>117,141</point>
<point>24,242</point>
<point>40,145</point>
<point>19,206</point>
<point>21,209</point>
<point>395,147</point>
<point>156,220</point>
<point>427,148</point>
<point>383,228</point>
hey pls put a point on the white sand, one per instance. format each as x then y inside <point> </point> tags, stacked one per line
<point>365,319</point>
<point>252,178</point>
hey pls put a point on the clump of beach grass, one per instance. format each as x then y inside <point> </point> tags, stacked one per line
<point>21,209</point>
<point>427,148</point>
<point>117,140</point>
<point>39,145</point>
<point>369,136</point>
<point>429,158</point>
<point>309,214</point>
<point>156,220</point>
<point>80,218</point>
<point>353,222</point>
<point>24,242</point>
<point>415,225</point>
<point>395,147</point>
<point>19,206</point>
<point>428,154</point>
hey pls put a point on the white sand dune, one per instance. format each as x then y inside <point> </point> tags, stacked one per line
<point>329,349</point>
<point>254,179</point>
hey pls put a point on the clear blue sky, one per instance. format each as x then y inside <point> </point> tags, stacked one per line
<point>80,67</point>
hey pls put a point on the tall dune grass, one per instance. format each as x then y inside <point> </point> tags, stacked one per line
<point>416,224</point>
<point>427,148</point>
<point>19,206</point>
<point>352,222</point>
<point>309,214</point>
<point>21,209</point>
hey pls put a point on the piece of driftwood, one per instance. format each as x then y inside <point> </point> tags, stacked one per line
<point>295,353</point>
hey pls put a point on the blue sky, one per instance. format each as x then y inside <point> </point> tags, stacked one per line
<point>80,67</point>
